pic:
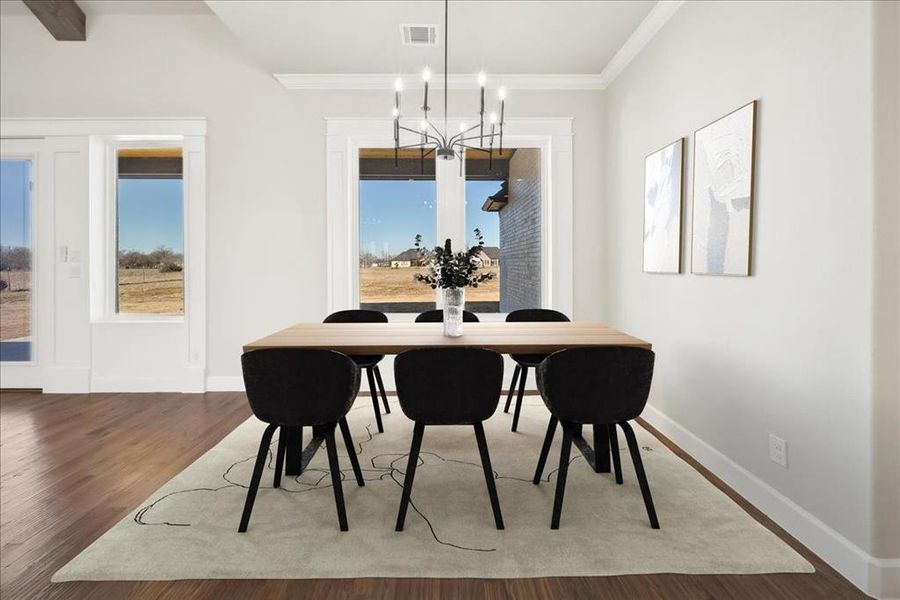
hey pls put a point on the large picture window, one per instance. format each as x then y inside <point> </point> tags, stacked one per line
<point>499,195</point>
<point>149,231</point>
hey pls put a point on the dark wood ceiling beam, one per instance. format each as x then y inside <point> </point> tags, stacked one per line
<point>64,19</point>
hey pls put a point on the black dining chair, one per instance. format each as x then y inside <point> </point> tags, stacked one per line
<point>437,316</point>
<point>295,388</point>
<point>367,362</point>
<point>601,386</point>
<point>448,386</point>
<point>527,361</point>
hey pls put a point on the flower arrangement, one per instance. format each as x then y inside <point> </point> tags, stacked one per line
<point>446,269</point>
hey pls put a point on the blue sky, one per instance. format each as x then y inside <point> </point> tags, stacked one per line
<point>15,209</point>
<point>391,213</point>
<point>150,214</point>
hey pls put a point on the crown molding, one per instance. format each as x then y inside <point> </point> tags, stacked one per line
<point>385,81</point>
<point>648,28</point>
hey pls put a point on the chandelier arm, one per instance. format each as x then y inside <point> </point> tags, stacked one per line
<point>425,145</point>
<point>421,133</point>
<point>487,136</point>
<point>459,136</point>
<point>439,135</point>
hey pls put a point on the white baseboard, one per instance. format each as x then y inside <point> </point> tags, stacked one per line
<point>66,379</point>
<point>877,577</point>
<point>224,383</point>
<point>189,380</point>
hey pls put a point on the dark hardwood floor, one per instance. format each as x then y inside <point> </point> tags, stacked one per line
<point>71,466</point>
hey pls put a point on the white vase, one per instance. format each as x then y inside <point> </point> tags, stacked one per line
<point>454,304</point>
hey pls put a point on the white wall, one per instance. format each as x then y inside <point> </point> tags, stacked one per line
<point>789,350</point>
<point>265,157</point>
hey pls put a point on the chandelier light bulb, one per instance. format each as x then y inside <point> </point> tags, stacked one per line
<point>462,127</point>
<point>395,112</point>
<point>501,93</point>
<point>426,74</point>
<point>398,85</point>
<point>482,78</point>
<point>493,118</point>
<point>423,125</point>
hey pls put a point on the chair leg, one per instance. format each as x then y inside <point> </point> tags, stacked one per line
<point>279,458</point>
<point>335,476</point>
<point>387,407</point>
<point>561,474</point>
<point>257,476</point>
<point>545,450</point>
<point>371,377</point>
<point>614,446</point>
<point>488,474</point>
<point>351,450</point>
<point>512,388</point>
<point>639,470</point>
<point>418,432</point>
<point>522,381</point>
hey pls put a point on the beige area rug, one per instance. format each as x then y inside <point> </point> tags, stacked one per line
<point>188,528</point>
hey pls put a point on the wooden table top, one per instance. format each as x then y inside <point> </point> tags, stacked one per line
<point>393,338</point>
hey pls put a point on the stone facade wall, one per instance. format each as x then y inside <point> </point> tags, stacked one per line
<point>520,234</point>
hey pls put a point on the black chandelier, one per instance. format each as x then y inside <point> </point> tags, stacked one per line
<point>432,139</point>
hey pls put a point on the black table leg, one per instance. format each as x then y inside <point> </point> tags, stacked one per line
<point>293,440</point>
<point>601,449</point>
<point>598,456</point>
<point>297,457</point>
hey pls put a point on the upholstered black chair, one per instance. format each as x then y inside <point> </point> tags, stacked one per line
<point>448,386</point>
<point>526,361</point>
<point>602,386</point>
<point>295,388</point>
<point>368,362</point>
<point>437,316</point>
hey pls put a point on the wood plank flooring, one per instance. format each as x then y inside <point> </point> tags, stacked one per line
<point>71,466</point>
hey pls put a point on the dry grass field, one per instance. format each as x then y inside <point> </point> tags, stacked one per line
<point>378,285</point>
<point>150,292</point>
<point>15,305</point>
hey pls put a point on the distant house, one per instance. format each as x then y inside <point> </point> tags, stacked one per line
<point>490,256</point>
<point>407,258</point>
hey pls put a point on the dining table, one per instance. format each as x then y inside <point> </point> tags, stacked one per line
<point>395,337</point>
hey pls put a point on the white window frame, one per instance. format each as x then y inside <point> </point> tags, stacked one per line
<point>345,137</point>
<point>107,285</point>
<point>25,149</point>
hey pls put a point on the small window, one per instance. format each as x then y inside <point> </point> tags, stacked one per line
<point>149,231</point>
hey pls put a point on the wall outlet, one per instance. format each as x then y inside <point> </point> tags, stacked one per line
<point>778,450</point>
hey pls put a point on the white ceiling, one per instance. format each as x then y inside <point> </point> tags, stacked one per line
<point>350,36</point>
<point>120,7</point>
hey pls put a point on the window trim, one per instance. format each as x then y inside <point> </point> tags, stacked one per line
<point>344,138</point>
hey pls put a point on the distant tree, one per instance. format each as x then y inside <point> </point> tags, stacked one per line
<point>15,258</point>
<point>367,259</point>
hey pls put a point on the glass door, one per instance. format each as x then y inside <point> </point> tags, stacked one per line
<point>17,300</point>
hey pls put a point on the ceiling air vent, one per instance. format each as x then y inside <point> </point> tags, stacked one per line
<point>418,35</point>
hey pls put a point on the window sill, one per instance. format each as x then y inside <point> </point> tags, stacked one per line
<point>139,320</point>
